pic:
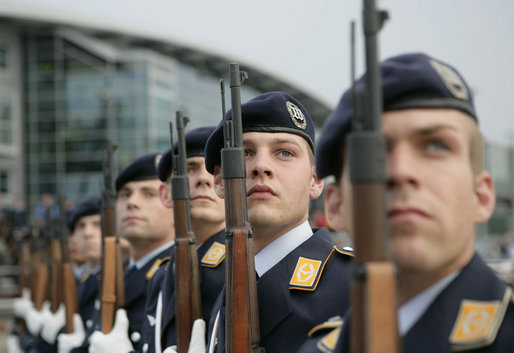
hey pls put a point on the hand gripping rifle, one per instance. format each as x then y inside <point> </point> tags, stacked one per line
<point>373,291</point>
<point>112,288</point>
<point>69,285</point>
<point>188,299</point>
<point>242,315</point>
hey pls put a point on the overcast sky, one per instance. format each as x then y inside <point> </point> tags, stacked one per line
<point>306,42</point>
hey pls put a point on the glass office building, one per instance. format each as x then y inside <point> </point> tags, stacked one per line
<point>82,92</point>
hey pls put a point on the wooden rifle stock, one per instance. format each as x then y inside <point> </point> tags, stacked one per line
<point>69,285</point>
<point>40,274</point>
<point>112,286</point>
<point>373,292</point>
<point>242,327</point>
<point>188,299</point>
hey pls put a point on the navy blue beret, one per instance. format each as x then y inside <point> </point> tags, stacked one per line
<point>87,207</point>
<point>195,145</point>
<point>142,168</point>
<point>408,81</point>
<point>268,112</point>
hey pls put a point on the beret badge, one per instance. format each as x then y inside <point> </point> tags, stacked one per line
<point>296,115</point>
<point>451,79</point>
<point>157,160</point>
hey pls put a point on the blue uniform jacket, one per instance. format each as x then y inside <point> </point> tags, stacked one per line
<point>287,312</point>
<point>433,331</point>
<point>87,292</point>
<point>135,297</point>
<point>212,279</point>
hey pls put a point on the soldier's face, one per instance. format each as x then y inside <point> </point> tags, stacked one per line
<point>206,206</point>
<point>280,181</point>
<point>434,200</point>
<point>140,215</point>
<point>88,235</point>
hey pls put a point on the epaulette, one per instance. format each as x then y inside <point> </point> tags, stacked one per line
<point>345,250</point>
<point>158,263</point>
<point>214,256</point>
<point>330,324</point>
<point>478,322</point>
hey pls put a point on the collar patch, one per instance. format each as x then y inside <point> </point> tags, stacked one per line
<point>214,256</point>
<point>478,322</point>
<point>328,343</point>
<point>306,274</point>
<point>158,263</point>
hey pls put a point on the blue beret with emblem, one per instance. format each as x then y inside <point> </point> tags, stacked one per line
<point>413,80</point>
<point>142,168</point>
<point>88,207</point>
<point>268,112</point>
<point>195,146</point>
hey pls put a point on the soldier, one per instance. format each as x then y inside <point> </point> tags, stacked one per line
<point>148,227</point>
<point>299,269</point>
<point>437,192</point>
<point>208,223</point>
<point>84,224</point>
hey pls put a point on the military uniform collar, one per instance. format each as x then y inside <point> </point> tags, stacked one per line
<point>274,252</point>
<point>150,256</point>
<point>410,312</point>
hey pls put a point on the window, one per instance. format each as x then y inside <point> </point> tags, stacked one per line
<point>4,181</point>
<point>3,57</point>
<point>6,124</point>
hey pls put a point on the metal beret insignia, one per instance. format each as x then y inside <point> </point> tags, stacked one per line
<point>157,160</point>
<point>296,115</point>
<point>451,79</point>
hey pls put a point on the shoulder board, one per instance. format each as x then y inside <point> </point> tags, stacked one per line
<point>214,256</point>
<point>330,324</point>
<point>478,322</point>
<point>345,250</point>
<point>158,263</point>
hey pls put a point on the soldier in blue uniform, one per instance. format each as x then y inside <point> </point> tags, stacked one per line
<point>84,222</point>
<point>299,268</point>
<point>437,192</point>
<point>208,223</point>
<point>147,225</point>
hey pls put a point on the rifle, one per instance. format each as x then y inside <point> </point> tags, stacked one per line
<point>373,290</point>
<point>242,314</point>
<point>54,260</point>
<point>187,282</point>
<point>69,286</point>
<point>40,274</point>
<point>112,288</point>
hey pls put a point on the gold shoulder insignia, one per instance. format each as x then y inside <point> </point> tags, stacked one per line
<point>346,250</point>
<point>478,322</point>
<point>158,263</point>
<point>307,273</point>
<point>214,256</point>
<point>332,323</point>
<point>328,343</point>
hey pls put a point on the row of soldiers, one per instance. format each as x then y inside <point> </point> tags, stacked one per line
<point>448,299</point>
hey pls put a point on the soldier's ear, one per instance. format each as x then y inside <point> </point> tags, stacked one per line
<point>316,185</point>
<point>218,182</point>
<point>485,197</point>
<point>165,195</point>
<point>334,207</point>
